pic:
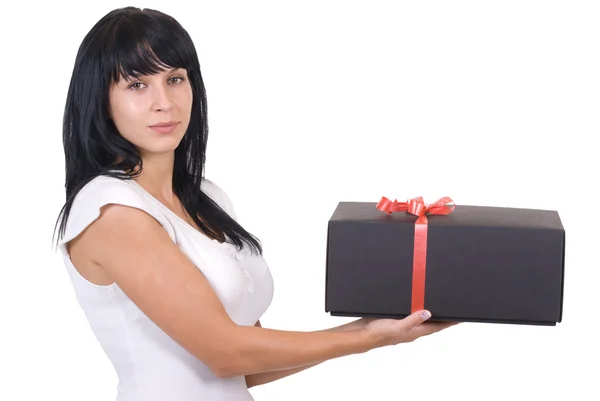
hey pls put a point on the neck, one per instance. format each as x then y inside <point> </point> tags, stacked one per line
<point>157,177</point>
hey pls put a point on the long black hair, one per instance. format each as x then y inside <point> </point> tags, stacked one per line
<point>128,42</point>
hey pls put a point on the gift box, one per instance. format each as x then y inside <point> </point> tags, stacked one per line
<point>463,263</point>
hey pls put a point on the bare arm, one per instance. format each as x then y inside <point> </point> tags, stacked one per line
<point>138,255</point>
<point>258,379</point>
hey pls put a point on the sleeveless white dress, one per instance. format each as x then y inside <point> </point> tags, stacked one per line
<point>150,365</point>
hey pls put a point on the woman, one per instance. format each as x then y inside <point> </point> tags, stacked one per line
<point>172,285</point>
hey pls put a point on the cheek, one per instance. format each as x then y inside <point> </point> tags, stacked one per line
<point>186,98</point>
<point>127,117</point>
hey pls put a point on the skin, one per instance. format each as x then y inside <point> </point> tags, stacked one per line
<point>128,247</point>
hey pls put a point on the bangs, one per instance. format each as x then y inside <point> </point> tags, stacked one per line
<point>146,44</point>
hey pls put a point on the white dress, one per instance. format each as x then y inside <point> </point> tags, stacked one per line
<point>150,365</point>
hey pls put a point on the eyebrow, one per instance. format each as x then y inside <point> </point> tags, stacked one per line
<point>169,71</point>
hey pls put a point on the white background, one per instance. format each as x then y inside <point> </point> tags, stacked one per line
<point>311,103</point>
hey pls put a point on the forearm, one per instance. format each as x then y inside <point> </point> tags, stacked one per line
<point>258,379</point>
<point>257,350</point>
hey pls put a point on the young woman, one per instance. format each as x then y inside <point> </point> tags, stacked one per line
<point>172,285</point>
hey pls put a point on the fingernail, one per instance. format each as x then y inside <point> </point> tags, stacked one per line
<point>425,315</point>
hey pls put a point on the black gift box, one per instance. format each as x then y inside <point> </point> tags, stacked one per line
<point>483,264</point>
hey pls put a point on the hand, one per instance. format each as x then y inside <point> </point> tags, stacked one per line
<point>394,331</point>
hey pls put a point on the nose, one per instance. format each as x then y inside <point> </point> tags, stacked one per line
<point>161,99</point>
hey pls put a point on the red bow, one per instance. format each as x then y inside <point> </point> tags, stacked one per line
<point>417,207</point>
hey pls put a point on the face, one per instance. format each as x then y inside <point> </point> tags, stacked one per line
<point>152,112</point>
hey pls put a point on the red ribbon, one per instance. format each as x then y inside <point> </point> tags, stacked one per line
<point>417,207</point>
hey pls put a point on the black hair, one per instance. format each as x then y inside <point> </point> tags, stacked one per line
<point>128,42</point>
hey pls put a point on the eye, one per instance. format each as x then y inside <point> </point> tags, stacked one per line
<point>175,80</point>
<point>135,86</point>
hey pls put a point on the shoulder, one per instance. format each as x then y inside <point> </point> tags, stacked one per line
<point>104,190</point>
<point>93,196</point>
<point>218,195</point>
<point>103,187</point>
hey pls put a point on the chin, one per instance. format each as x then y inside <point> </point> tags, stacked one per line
<point>165,147</point>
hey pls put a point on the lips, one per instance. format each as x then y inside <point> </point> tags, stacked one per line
<point>165,127</point>
<point>164,124</point>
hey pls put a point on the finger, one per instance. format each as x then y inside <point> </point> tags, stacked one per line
<point>432,327</point>
<point>416,318</point>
